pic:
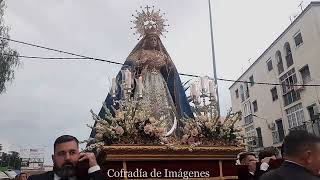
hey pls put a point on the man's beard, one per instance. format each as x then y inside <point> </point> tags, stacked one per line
<point>67,170</point>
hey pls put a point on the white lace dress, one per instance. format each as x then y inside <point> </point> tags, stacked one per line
<point>156,96</point>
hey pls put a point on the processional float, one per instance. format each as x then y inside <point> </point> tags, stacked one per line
<point>149,128</point>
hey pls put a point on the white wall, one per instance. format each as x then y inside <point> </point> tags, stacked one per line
<point>306,54</point>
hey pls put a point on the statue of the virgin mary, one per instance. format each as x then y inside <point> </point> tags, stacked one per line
<point>164,96</point>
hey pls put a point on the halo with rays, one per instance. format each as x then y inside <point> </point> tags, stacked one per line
<point>149,21</point>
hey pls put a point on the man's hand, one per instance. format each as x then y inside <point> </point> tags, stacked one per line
<point>89,156</point>
<point>252,166</point>
<point>266,160</point>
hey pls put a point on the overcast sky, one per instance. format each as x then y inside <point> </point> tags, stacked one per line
<point>49,98</point>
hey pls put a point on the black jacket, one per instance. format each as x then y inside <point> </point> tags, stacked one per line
<point>289,171</point>
<point>50,176</point>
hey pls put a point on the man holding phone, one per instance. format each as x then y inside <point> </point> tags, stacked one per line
<point>66,162</point>
<point>302,158</point>
<point>253,167</point>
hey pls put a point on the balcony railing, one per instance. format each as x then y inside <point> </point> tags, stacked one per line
<point>248,119</point>
<point>301,127</point>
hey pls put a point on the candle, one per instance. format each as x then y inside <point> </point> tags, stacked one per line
<point>197,91</point>
<point>123,75</point>
<point>140,86</point>
<point>114,87</point>
<point>192,90</point>
<point>128,78</point>
<point>212,89</point>
<point>204,84</point>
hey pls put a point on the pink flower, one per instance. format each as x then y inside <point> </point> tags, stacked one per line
<point>119,130</point>
<point>165,140</point>
<point>184,139</point>
<point>209,125</point>
<point>161,131</point>
<point>99,136</point>
<point>152,120</point>
<point>148,129</point>
<point>191,141</point>
<point>194,132</point>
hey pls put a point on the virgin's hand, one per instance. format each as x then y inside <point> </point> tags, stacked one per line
<point>89,156</point>
<point>142,61</point>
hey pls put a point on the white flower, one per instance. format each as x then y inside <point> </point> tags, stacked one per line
<point>139,116</point>
<point>120,115</point>
<point>99,136</point>
<point>99,126</point>
<point>184,139</point>
<point>202,118</point>
<point>239,129</point>
<point>152,120</point>
<point>187,127</point>
<point>194,132</point>
<point>165,140</point>
<point>209,125</point>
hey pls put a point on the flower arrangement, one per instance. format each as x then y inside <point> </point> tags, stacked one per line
<point>211,130</point>
<point>132,126</point>
<point>129,125</point>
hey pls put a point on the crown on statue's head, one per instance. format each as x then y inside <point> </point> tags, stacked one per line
<point>149,22</point>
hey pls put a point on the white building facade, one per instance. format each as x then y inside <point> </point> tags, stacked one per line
<point>291,66</point>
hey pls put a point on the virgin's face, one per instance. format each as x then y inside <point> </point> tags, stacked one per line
<point>152,41</point>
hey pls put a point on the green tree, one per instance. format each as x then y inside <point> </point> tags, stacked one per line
<point>11,160</point>
<point>8,56</point>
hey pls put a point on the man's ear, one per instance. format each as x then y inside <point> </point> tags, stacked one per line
<point>52,157</point>
<point>307,156</point>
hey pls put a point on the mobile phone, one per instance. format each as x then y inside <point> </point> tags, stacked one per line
<point>82,169</point>
<point>275,163</point>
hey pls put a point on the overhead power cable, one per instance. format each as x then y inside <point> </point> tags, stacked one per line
<point>182,74</point>
<point>60,51</point>
<point>82,57</point>
<point>53,58</point>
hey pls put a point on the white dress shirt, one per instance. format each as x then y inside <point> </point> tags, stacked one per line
<point>264,166</point>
